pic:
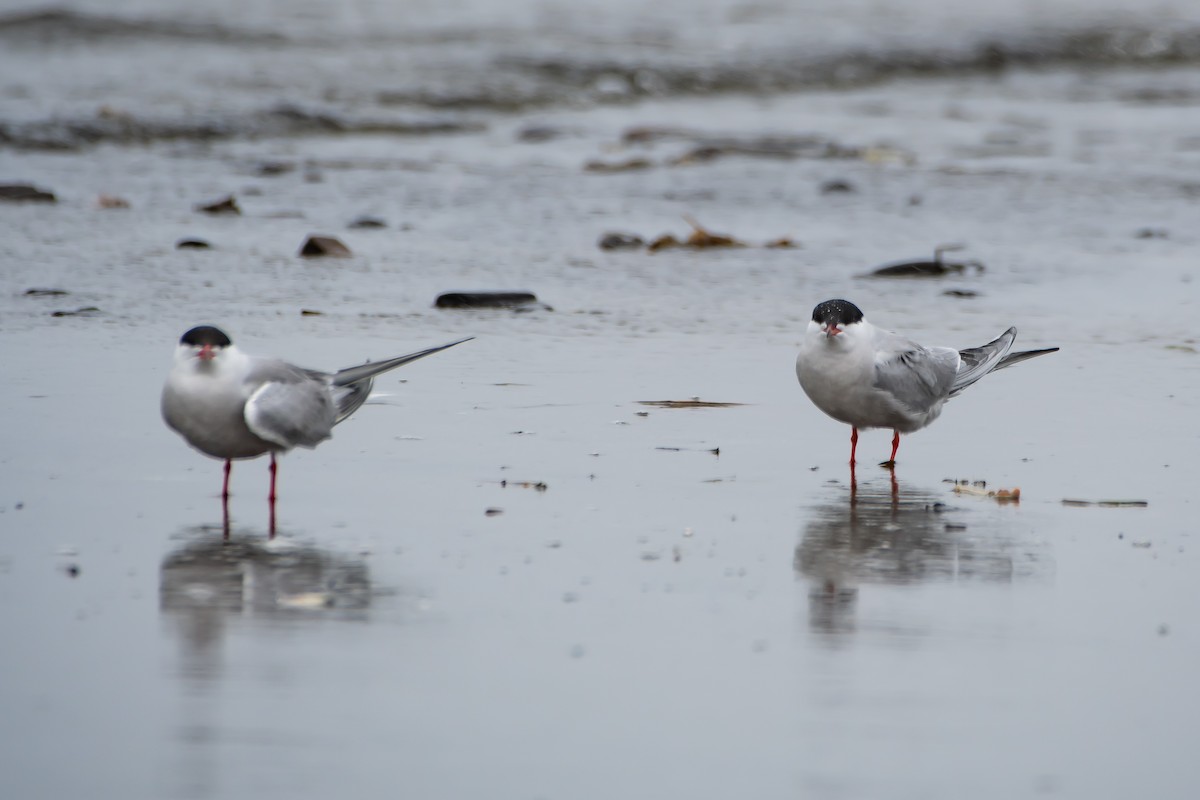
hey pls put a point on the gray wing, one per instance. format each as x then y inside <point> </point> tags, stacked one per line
<point>979,361</point>
<point>292,407</point>
<point>917,377</point>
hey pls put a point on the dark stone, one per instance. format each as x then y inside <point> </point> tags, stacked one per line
<point>1151,233</point>
<point>192,244</point>
<point>45,292</point>
<point>936,267</point>
<point>226,205</point>
<point>24,193</point>
<point>837,187</point>
<point>536,134</point>
<point>324,246</point>
<point>961,293</point>
<point>485,299</point>
<point>917,269</point>
<point>269,169</point>
<point>363,223</point>
<point>620,241</point>
<point>86,311</point>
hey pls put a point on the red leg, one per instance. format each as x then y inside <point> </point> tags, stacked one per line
<point>853,443</point>
<point>895,445</point>
<point>271,496</point>
<point>225,498</point>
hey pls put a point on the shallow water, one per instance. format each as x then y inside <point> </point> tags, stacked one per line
<point>660,620</point>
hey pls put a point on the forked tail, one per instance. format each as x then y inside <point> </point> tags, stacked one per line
<point>356,382</point>
<point>979,361</point>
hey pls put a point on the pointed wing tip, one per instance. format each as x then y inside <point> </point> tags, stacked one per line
<point>448,345</point>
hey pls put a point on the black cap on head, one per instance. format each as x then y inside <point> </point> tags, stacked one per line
<point>205,334</point>
<point>837,312</point>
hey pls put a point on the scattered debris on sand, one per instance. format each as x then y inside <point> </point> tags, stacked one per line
<point>716,451</point>
<point>979,489</point>
<point>691,148</point>
<point>628,165</point>
<point>110,201</point>
<point>306,601</point>
<point>699,239</point>
<point>537,486</point>
<point>693,402</point>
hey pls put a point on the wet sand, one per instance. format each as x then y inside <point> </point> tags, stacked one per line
<point>656,622</point>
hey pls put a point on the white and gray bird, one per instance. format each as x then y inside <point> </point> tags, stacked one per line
<point>231,405</point>
<point>867,377</point>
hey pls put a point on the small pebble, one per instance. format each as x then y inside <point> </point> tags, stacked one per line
<point>621,241</point>
<point>324,246</point>
<point>837,187</point>
<point>226,205</point>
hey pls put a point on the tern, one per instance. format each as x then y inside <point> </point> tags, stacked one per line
<point>230,405</point>
<point>867,377</point>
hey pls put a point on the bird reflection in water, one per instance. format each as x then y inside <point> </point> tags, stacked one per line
<point>217,575</point>
<point>876,534</point>
<point>220,580</point>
